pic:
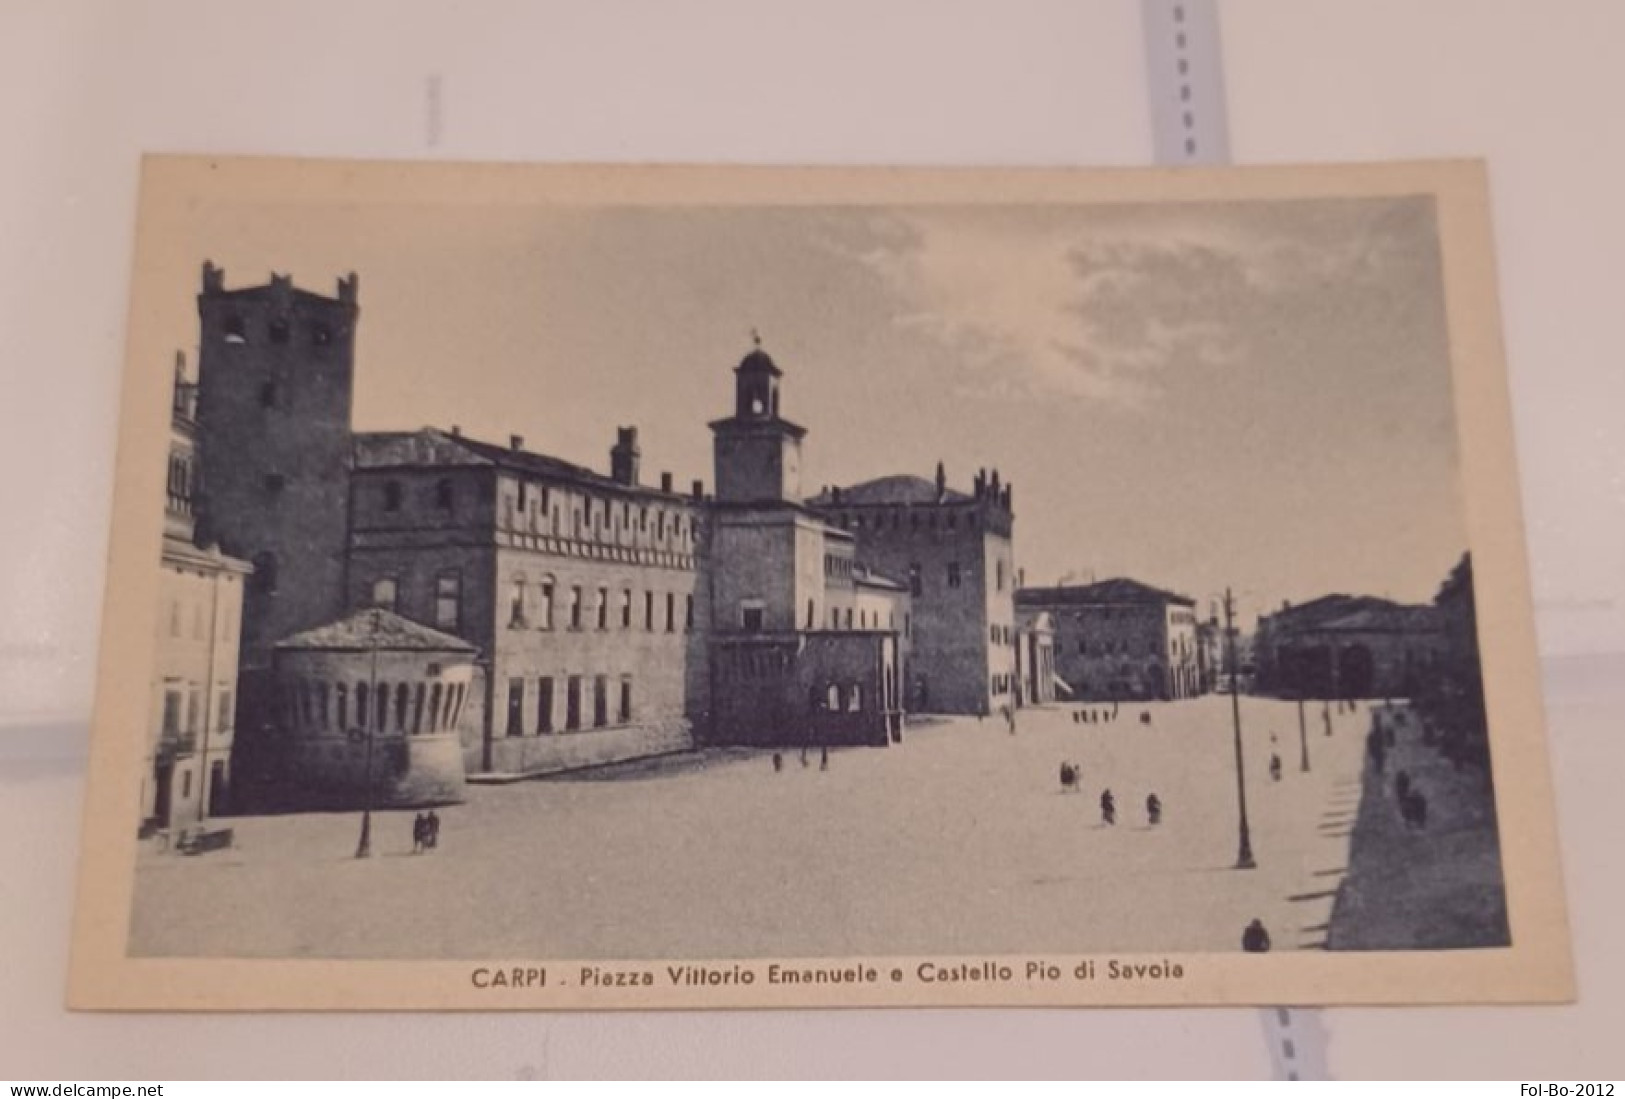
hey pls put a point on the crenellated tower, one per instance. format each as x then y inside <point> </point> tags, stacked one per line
<point>276,371</point>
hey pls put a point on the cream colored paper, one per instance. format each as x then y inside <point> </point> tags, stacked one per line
<point>324,199</point>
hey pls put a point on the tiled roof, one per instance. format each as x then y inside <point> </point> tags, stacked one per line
<point>433,447</point>
<point>900,488</point>
<point>376,629</point>
<point>1116,591</point>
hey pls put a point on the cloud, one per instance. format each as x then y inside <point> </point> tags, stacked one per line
<point>1112,309</point>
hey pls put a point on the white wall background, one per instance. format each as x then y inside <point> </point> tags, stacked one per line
<point>90,85</point>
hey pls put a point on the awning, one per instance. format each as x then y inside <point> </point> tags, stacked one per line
<point>1062,685</point>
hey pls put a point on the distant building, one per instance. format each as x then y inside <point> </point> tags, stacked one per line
<point>953,550</point>
<point>1036,680</point>
<point>1347,646</point>
<point>1120,639</point>
<point>187,776</point>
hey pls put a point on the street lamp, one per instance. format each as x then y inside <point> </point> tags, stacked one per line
<point>364,847</point>
<point>1244,853</point>
<point>1303,736</point>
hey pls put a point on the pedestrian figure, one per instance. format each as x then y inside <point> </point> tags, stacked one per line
<point>1326,717</point>
<point>1255,940</point>
<point>1010,716</point>
<point>1108,807</point>
<point>1153,810</point>
<point>431,827</point>
<point>823,758</point>
<point>1402,785</point>
<point>418,829</point>
<point>1275,767</point>
<point>1069,777</point>
<point>804,755</point>
<point>778,761</point>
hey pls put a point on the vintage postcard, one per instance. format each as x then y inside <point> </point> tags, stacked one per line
<point>636,587</point>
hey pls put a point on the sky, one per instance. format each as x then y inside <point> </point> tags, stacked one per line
<point>1247,394</point>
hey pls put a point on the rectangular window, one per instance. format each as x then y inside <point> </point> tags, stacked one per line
<point>624,714</point>
<point>544,704</point>
<point>516,603</point>
<point>547,605</point>
<point>223,719</point>
<point>626,609</point>
<point>572,702</point>
<point>1000,569</point>
<point>671,612</point>
<point>448,600</point>
<point>575,606</point>
<point>186,784</point>
<point>916,582</point>
<point>603,608</point>
<point>172,713</point>
<point>751,618</point>
<point>600,701</point>
<point>953,574</point>
<point>688,613</point>
<point>192,709</point>
<point>516,706</point>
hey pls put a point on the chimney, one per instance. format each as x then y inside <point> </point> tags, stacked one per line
<point>623,457</point>
<point>456,431</point>
<point>665,482</point>
<point>348,286</point>
<point>942,481</point>
<point>699,490</point>
<point>214,278</point>
<point>516,442</point>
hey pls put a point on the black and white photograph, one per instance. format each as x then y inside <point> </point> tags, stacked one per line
<point>702,587</point>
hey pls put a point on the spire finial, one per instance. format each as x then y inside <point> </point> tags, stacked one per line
<point>756,337</point>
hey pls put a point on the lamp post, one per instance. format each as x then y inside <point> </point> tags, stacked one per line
<point>1303,737</point>
<point>1244,853</point>
<point>364,847</point>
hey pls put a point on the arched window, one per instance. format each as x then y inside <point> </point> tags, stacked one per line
<point>380,707</point>
<point>361,699</point>
<point>384,592</point>
<point>445,496</point>
<point>341,707</point>
<point>417,709</point>
<point>403,695</point>
<point>434,708</point>
<point>832,698</point>
<point>854,699</point>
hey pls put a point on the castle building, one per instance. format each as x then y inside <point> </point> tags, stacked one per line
<point>186,775</point>
<point>1121,639</point>
<point>583,593</point>
<point>586,618</point>
<point>806,647</point>
<point>953,551</point>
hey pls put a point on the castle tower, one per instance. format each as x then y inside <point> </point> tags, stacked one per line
<point>275,384</point>
<point>758,453</point>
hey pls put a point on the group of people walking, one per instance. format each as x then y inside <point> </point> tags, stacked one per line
<point>806,761</point>
<point>425,832</point>
<point>1072,782</point>
<point>1091,716</point>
